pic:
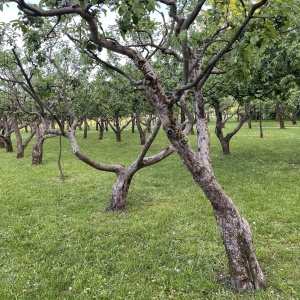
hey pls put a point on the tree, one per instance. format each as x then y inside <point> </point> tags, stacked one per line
<point>220,123</point>
<point>194,37</point>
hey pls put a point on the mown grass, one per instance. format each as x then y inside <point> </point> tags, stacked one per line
<point>58,242</point>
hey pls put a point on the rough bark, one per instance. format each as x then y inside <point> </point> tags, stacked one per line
<point>120,190</point>
<point>235,231</point>
<point>20,148</point>
<point>37,151</point>
<point>237,239</point>
<point>42,132</point>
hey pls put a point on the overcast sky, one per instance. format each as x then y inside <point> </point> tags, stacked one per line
<point>9,13</point>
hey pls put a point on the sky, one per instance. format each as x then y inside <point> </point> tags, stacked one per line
<point>9,13</point>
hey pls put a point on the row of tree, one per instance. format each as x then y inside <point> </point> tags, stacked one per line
<point>161,58</point>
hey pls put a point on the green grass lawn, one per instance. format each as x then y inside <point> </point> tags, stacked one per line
<point>58,242</point>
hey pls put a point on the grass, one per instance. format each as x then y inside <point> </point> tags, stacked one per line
<point>58,242</point>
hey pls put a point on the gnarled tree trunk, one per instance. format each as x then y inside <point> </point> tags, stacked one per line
<point>37,151</point>
<point>235,232</point>
<point>120,190</point>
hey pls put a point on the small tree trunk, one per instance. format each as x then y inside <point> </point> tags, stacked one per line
<point>281,123</point>
<point>85,129</point>
<point>279,115</point>
<point>250,123</point>
<point>143,137</point>
<point>294,118</point>
<point>207,116</point>
<point>261,134</point>
<point>142,132</point>
<point>2,143</point>
<point>97,124</point>
<point>9,146</point>
<point>20,148</point>
<point>37,151</point>
<point>118,136</point>
<point>225,146</point>
<point>101,129</point>
<point>120,191</point>
<point>7,142</point>
<point>133,124</point>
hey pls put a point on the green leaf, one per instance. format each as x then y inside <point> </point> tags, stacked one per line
<point>150,5</point>
<point>183,36</point>
<point>272,31</point>
<point>91,46</point>
<point>254,39</point>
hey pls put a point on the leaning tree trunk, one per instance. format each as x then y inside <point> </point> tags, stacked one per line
<point>235,232</point>
<point>237,238</point>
